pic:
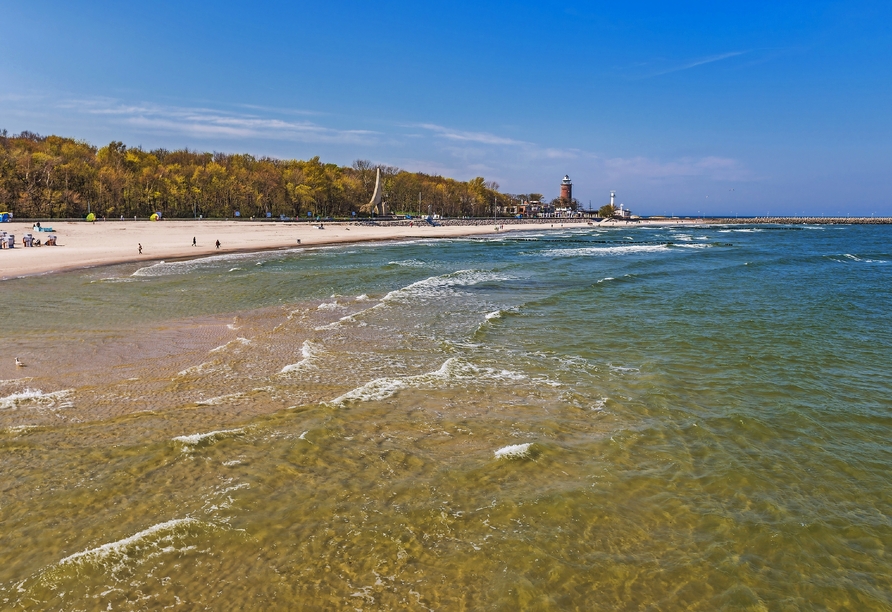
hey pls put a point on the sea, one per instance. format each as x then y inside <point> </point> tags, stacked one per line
<point>628,418</point>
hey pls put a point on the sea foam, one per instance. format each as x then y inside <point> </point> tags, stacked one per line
<point>514,451</point>
<point>202,439</point>
<point>308,351</point>
<point>232,343</point>
<point>606,251</point>
<point>137,540</point>
<point>36,397</point>
<point>436,286</point>
<point>452,370</point>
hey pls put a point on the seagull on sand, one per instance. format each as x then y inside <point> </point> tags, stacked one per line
<point>19,363</point>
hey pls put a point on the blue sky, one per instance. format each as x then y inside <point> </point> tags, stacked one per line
<point>681,107</point>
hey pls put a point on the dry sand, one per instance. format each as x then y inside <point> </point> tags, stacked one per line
<point>82,244</point>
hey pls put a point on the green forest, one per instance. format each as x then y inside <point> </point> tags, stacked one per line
<point>58,177</point>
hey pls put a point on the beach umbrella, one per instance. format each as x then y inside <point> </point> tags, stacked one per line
<point>91,217</point>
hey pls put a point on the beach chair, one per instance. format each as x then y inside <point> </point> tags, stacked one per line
<point>10,241</point>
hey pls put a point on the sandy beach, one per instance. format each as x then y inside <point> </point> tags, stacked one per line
<point>82,244</point>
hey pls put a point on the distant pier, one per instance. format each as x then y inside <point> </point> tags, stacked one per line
<point>803,220</point>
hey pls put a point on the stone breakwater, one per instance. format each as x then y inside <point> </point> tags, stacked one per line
<point>806,220</point>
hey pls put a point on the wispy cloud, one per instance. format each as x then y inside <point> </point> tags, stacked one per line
<point>216,123</point>
<point>478,137</point>
<point>694,63</point>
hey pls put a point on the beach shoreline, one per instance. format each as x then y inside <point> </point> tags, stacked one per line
<point>83,245</point>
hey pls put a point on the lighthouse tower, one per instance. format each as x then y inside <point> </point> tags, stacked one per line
<point>567,190</point>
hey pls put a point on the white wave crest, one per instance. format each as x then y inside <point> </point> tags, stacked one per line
<point>207,438</point>
<point>21,429</point>
<point>351,318</point>
<point>203,369</point>
<point>163,268</point>
<point>453,369</point>
<point>378,389</point>
<point>120,548</point>
<point>220,399</point>
<point>514,451</point>
<point>606,251</point>
<point>851,257</point>
<point>36,397</point>
<point>237,342</point>
<point>494,315</point>
<point>308,351</point>
<point>330,306</point>
<point>435,286</point>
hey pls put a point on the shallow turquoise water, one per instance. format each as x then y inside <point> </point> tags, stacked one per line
<point>633,418</point>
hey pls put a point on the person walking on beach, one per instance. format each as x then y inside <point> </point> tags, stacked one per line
<point>140,248</point>
<point>193,241</point>
<point>218,244</point>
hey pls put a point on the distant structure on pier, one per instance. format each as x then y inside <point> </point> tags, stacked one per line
<point>567,189</point>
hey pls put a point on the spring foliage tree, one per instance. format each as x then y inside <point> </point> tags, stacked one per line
<point>53,176</point>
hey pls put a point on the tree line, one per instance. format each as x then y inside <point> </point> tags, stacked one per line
<point>58,177</point>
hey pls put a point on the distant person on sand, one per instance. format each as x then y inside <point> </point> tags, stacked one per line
<point>218,244</point>
<point>193,241</point>
<point>140,248</point>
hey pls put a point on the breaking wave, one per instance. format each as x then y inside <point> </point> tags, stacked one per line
<point>308,351</point>
<point>435,286</point>
<point>452,370</point>
<point>205,439</point>
<point>514,451</point>
<point>35,397</point>
<point>606,251</point>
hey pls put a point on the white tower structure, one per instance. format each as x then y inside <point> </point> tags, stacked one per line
<point>613,198</point>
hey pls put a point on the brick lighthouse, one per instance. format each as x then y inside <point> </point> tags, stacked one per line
<point>567,190</point>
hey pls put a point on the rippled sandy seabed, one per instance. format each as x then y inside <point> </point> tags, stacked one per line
<point>632,419</point>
